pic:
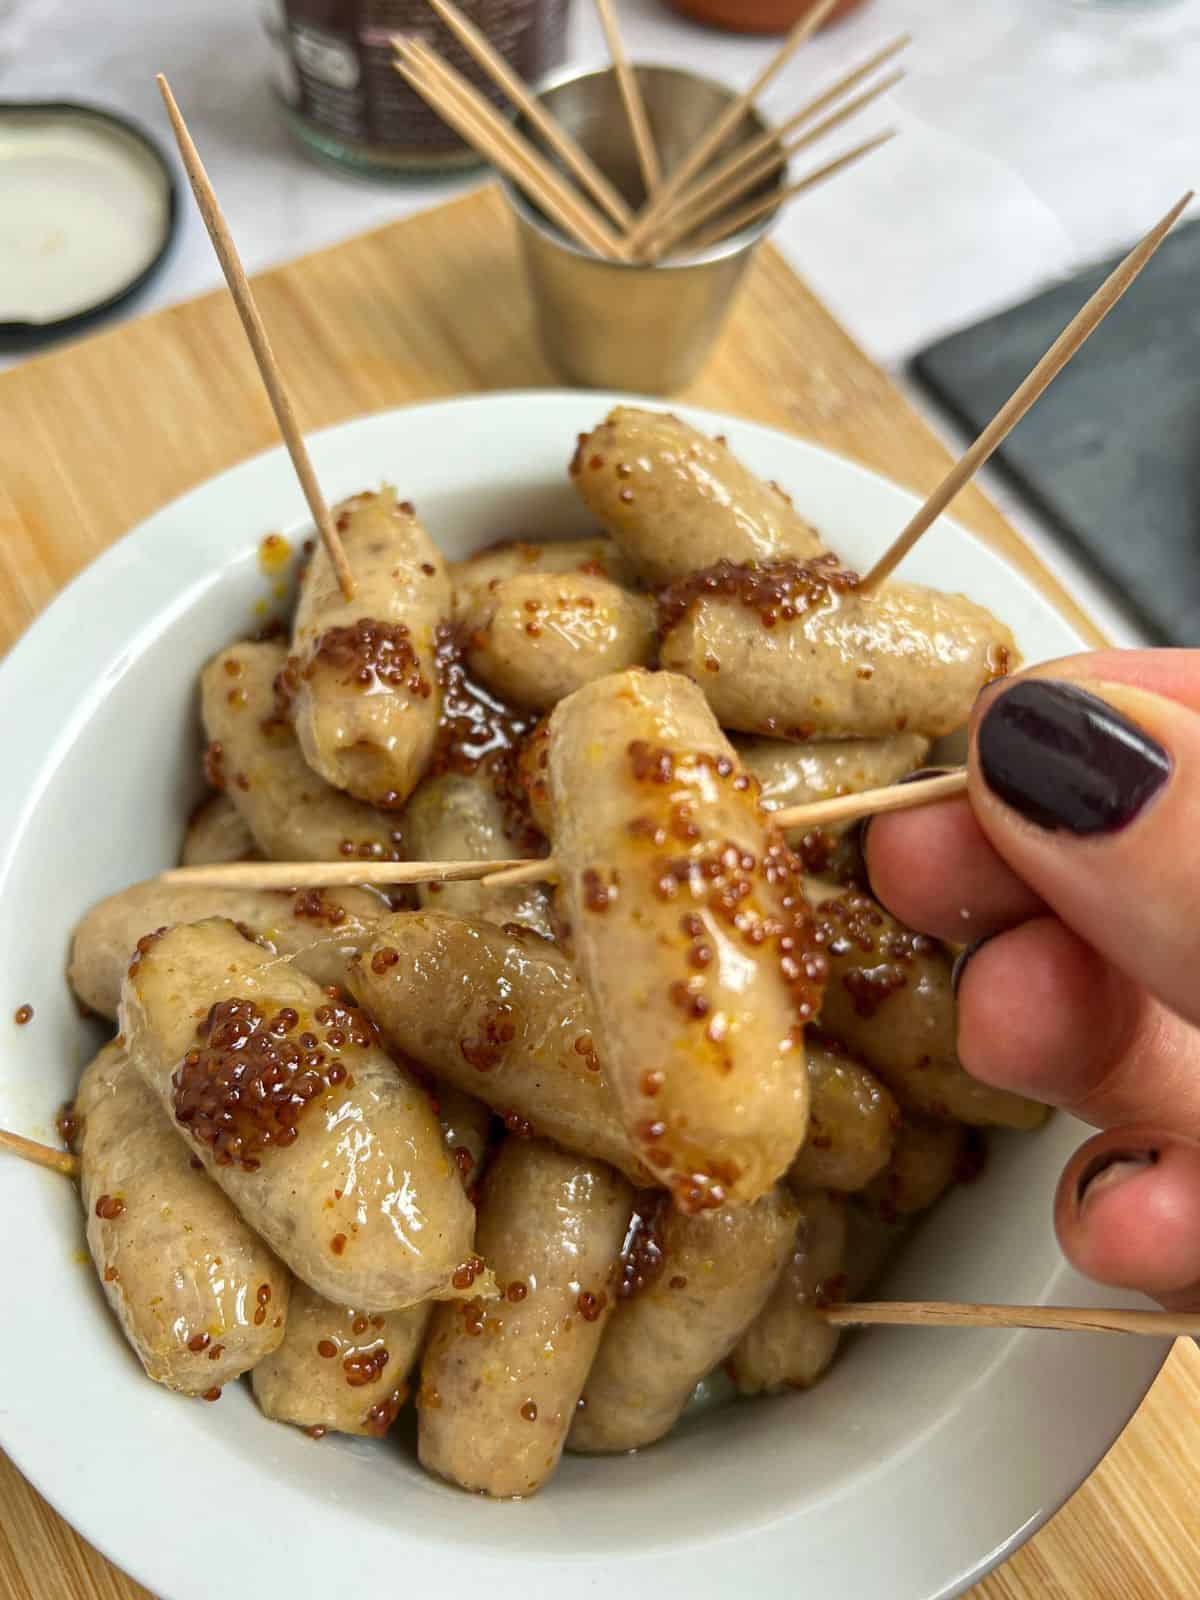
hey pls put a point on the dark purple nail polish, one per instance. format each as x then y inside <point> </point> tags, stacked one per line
<point>1118,1164</point>
<point>1065,759</point>
<point>963,956</point>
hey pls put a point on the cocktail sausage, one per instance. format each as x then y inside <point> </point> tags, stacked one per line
<point>540,636</point>
<point>851,1125</point>
<point>890,1001</point>
<point>293,814</point>
<point>794,651</point>
<point>321,928</point>
<point>711,1278</point>
<point>798,774</point>
<point>363,675</point>
<point>789,1345</point>
<point>215,834</point>
<point>328,1149</point>
<point>459,817</point>
<point>690,932</point>
<point>500,1381</point>
<point>346,1371</point>
<point>676,500</point>
<point>595,557</point>
<point>198,1295</point>
<point>501,1016</point>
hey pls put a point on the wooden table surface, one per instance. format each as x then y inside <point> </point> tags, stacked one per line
<point>99,434</point>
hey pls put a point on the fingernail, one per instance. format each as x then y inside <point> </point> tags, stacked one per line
<point>963,956</point>
<point>859,833</point>
<point>1110,1169</point>
<point>1063,758</point>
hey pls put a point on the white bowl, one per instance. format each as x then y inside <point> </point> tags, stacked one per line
<point>922,1460</point>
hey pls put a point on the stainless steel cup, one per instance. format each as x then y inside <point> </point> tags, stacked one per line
<point>612,325</point>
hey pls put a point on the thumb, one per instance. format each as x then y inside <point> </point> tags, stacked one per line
<point>1085,777</point>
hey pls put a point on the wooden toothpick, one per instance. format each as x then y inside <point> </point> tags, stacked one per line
<point>284,875</point>
<point>499,874</point>
<point>772,140</point>
<point>256,333</point>
<point>970,1314</point>
<point>867,1314</point>
<point>631,96</point>
<point>735,221</point>
<point>709,201</point>
<point>1080,328</point>
<point>40,1155</point>
<point>705,148</point>
<point>569,151</point>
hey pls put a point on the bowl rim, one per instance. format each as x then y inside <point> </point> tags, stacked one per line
<point>752,1553</point>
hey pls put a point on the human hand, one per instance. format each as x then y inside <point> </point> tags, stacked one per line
<point>1072,872</point>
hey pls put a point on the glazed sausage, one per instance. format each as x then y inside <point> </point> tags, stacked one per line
<point>851,1125</point>
<point>926,1159</point>
<point>346,1371</point>
<point>533,766</point>
<point>500,1016</point>
<point>328,1149</point>
<point>466,1126</point>
<point>339,1370</point>
<point>676,500</point>
<point>456,817</point>
<point>789,1345</point>
<point>872,1240</point>
<point>596,557</point>
<point>216,834</point>
<point>713,1275</point>
<point>363,673</point>
<point>798,774</point>
<point>540,636</point>
<point>500,1382</point>
<point>198,1295</point>
<point>890,1001</point>
<point>292,814</point>
<point>690,932</point>
<point>786,651</point>
<point>321,928</point>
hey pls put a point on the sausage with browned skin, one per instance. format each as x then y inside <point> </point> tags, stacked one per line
<point>690,932</point>
<point>711,1279</point>
<point>500,1381</point>
<point>363,677</point>
<point>326,1146</point>
<point>676,500</point>
<point>198,1295</point>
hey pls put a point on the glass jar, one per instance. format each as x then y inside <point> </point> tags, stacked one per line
<point>345,101</point>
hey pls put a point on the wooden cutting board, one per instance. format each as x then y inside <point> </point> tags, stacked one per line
<point>96,436</point>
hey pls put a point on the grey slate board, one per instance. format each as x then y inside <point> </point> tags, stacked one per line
<point>1111,452</point>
